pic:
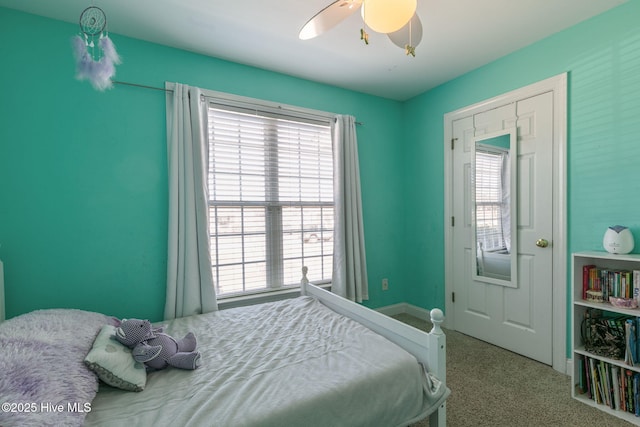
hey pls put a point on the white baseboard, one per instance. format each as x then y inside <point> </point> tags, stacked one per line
<point>392,310</point>
<point>402,308</point>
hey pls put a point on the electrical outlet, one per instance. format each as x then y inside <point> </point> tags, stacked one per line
<point>385,284</point>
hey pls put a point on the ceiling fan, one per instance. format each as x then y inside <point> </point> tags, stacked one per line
<point>395,18</point>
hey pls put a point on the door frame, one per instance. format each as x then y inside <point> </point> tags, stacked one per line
<point>558,85</point>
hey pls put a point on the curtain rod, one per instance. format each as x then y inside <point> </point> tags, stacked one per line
<point>142,86</point>
<point>118,82</point>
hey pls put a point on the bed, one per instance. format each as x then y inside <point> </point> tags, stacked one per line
<point>314,360</point>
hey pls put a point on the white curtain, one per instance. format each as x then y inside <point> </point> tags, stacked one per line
<point>190,287</point>
<point>349,260</point>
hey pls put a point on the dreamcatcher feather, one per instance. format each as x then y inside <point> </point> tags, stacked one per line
<point>95,63</point>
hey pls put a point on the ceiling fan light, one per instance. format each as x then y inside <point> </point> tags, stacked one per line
<point>387,16</point>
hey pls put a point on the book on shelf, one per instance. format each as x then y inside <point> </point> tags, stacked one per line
<point>608,384</point>
<point>629,384</point>
<point>623,390</point>
<point>595,383</point>
<point>636,397</point>
<point>631,349</point>
<point>586,280</point>
<point>615,386</point>
<point>610,283</point>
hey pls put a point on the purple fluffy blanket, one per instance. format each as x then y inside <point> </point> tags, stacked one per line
<point>43,379</point>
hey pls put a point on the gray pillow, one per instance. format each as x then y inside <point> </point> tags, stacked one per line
<point>114,364</point>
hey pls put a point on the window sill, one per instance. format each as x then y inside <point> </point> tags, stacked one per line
<point>261,298</point>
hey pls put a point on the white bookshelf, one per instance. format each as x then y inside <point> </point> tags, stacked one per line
<point>580,306</point>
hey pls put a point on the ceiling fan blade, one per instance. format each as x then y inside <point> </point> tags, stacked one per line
<point>401,37</point>
<point>328,18</point>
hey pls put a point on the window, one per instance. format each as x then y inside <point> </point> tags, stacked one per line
<point>489,199</point>
<point>270,197</point>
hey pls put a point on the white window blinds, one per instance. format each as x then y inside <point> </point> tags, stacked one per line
<point>489,200</point>
<point>270,198</point>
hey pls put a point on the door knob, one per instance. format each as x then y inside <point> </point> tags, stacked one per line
<point>542,243</point>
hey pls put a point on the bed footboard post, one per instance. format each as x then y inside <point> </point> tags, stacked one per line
<point>437,317</point>
<point>304,281</point>
<point>438,352</point>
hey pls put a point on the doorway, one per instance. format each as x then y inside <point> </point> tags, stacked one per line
<point>527,314</point>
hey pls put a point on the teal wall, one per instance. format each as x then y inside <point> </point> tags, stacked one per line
<point>83,175</point>
<point>602,58</point>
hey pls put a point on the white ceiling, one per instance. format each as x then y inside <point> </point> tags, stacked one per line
<point>458,35</point>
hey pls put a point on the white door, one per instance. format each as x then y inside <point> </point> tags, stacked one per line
<point>516,318</point>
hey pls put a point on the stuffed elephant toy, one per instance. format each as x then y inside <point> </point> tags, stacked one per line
<point>156,349</point>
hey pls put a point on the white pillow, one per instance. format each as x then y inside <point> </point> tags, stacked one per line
<point>113,362</point>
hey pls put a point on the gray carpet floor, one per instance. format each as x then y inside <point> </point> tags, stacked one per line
<point>494,387</point>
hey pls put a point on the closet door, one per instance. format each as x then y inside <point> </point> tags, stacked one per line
<point>519,317</point>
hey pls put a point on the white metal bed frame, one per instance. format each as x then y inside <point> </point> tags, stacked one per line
<point>429,348</point>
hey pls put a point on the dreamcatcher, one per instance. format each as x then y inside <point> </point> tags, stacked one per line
<point>95,60</point>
